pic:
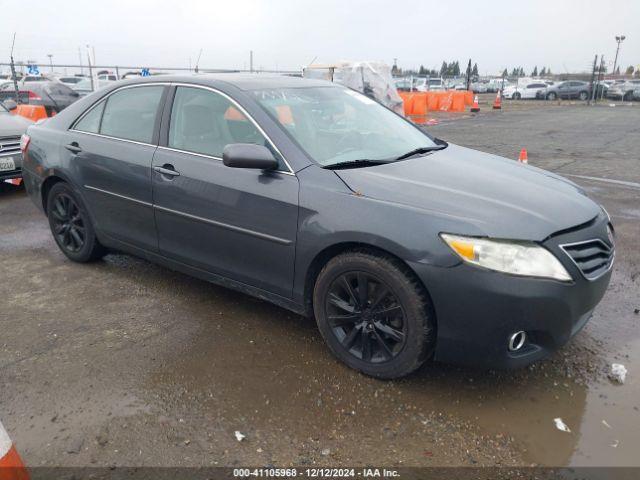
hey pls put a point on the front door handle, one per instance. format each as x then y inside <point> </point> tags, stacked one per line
<point>167,170</point>
<point>73,147</point>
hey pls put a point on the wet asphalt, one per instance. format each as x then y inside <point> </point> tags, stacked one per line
<point>126,363</point>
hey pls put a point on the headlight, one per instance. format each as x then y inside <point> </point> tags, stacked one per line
<point>514,257</point>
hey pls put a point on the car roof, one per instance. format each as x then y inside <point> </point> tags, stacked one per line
<point>243,81</point>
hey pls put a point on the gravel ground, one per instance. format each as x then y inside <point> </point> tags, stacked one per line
<point>123,362</point>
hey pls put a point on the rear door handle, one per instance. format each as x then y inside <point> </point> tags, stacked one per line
<point>73,147</point>
<point>167,170</point>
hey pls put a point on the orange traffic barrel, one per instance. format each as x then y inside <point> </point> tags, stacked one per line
<point>32,112</point>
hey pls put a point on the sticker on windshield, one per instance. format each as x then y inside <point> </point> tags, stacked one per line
<point>364,99</point>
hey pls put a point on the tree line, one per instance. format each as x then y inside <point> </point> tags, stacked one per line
<point>452,69</point>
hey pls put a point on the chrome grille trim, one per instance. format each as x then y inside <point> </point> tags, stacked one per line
<point>9,145</point>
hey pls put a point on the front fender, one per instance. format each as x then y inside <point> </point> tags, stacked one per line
<point>331,214</point>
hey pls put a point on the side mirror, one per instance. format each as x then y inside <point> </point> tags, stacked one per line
<point>10,104</point>
<point>248,155</point>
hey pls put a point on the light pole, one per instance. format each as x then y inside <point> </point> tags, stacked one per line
<point>619,39</point>
<point>50,55</point>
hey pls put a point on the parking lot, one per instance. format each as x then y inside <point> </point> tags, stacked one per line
<point>123,362</point>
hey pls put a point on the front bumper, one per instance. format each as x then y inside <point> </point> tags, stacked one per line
<point>16,172</point>
<point>477,310</point>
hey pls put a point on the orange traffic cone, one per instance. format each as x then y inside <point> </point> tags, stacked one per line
<point>523,158</point>
<point>497,103</point>
<point>11,466</point>
<point>475,107</point>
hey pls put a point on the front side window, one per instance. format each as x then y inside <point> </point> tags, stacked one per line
<point>131,113</point>
<point>335,125</point>
<point>205,122</point>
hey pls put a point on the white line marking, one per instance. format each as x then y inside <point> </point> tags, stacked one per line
<point>606,180</point>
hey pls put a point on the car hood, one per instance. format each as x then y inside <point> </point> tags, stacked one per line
<point>492,195</point>
<point>13,125</point>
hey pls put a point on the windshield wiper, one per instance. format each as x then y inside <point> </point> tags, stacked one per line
<point>355,164</point>
<point>422,150</point>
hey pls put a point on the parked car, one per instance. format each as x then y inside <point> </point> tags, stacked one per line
<point>529,90</point>
<point>108,77</point>
<point>429,84</point>
<point>84,87</point>
<point>53,95</point>
<point>623,90</point>
<point>636,93</point>
<point>479,87</point>
<point>404,84</point>
<point>70,81</point>
<point>568,90</point>
<point>11,129</point>
<point>317,198</point>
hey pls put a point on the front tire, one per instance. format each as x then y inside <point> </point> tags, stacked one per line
<point>552,96</point>
<point>374,314</point>
<point>71,225</point>
<point>516,96</point>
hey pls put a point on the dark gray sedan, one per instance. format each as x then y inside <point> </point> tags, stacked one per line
<point>53,95</point>
<point>317,198</point>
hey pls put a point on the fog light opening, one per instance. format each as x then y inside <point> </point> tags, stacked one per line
<point>517,341</point>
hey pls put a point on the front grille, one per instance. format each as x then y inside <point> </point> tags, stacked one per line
<point>593,257</point>
<point>9,145</point>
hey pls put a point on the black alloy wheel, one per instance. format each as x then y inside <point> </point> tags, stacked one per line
<point>71,225</point>
<point>374,313</point>
<point>67,223</point>
<point>366,317</point>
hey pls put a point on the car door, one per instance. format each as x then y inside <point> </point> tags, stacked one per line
<point>237,223</point>
<point>110,150</point>
<point>574,89</point>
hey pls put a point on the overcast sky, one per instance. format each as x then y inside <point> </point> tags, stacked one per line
<point>287,34</point>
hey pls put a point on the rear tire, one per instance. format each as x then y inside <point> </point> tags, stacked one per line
<point>583,96</point>
<point>71,225</point>
<point>385,329</point>
<point>627,97</point>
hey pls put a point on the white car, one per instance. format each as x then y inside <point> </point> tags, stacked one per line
<point>529,90</point>
<point>429,84</point>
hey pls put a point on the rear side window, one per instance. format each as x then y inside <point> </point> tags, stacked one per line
<point>131,113</point>
<point>91,121</point>
<point>205,122</point>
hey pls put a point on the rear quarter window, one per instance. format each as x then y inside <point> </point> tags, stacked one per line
<point>91,121</point>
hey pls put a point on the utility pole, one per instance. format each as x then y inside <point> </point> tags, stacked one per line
<point>50,55</point>
<point>13,71</point>
<point>198,61</point>
<point>251,61</point>
<point>619,39</point>
<point>600,78</point>
<point>80,59</point>
<point>593,80</point>
<point>90,62</point>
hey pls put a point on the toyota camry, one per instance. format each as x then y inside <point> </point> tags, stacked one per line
<point>403,247</point>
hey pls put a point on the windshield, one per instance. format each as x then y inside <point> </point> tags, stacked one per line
<point>337,125</point>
